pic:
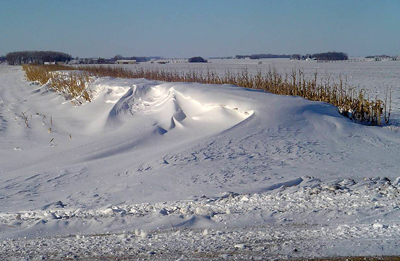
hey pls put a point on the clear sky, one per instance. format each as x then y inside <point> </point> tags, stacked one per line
<point>185,28</point>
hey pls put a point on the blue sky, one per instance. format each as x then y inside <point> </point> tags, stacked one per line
<point>172,28</point>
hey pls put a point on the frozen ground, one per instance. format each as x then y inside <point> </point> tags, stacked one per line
<point>188,171</point>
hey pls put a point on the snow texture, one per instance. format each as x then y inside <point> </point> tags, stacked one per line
<point>178,171</point>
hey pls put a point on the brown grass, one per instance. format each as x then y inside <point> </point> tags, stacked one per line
<point>72,85</point>
<point>354,104</point>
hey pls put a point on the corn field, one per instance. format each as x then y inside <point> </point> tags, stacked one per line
<point>73,86</point>
<point>352,103</point>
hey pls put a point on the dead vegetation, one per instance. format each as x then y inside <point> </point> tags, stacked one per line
<point>73,85</point>
<point>354,104</point>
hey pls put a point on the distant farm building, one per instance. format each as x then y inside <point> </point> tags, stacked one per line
<point>126,62</point>
<point>163,61</point>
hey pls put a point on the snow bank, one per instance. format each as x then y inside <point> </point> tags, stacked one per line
<point>174,159</point>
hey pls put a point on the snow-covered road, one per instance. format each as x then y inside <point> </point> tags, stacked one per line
<point>164,170</point>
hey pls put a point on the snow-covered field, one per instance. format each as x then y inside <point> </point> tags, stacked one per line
<point>169,171</point>
<point>374,77</point>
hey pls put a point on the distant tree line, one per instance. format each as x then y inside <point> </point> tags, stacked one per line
<point>297,56</point>
<point>262,56</point>
<point>2,58</point>
<point>197,59</point>
<point>138,59</point>
<point>99,60</point>
<point>37,57</point>
<point>222,57</point>
<point>113,60</point>
<point>382,57</point>
<point>329,56</point>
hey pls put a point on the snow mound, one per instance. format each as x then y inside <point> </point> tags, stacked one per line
<point>173,109</point>
<point>167,112</point>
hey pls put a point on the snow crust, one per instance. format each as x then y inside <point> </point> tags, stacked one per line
<point>178,170</point>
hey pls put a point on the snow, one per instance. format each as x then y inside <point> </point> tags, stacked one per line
<point>375,78</point>
<point>190,171</point>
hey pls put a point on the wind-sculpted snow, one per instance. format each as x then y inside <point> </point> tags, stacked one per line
<point>303,217</point>
<point>192,163</point>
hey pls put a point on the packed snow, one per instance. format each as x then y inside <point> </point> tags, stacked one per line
<point>178,171</point>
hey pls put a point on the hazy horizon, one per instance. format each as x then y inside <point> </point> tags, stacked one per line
<point>182,29</point>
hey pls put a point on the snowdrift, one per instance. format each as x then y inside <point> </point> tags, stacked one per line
<point>159,147</point>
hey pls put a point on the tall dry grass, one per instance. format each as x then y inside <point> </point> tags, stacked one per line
<point>72,86</point>
<point>354,104</point>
